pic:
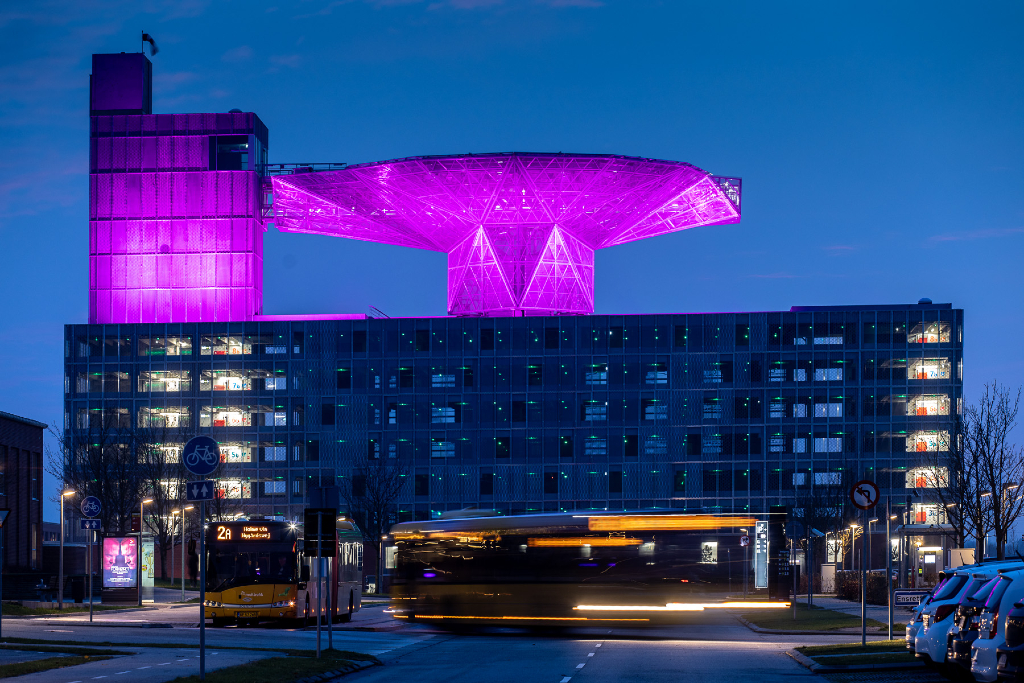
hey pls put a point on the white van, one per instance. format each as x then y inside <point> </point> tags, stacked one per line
<point>992,623</point>
<point>937,617</point>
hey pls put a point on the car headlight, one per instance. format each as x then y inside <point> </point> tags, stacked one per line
<point>284,603</point>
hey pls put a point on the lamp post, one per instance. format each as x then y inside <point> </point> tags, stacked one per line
<point>183,511</point>
<point>745,566</point>
<point>138,550</point>
<point>60,560</point>
<point>870,522</point>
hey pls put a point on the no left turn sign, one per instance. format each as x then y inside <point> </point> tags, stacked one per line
<point>864,494</point>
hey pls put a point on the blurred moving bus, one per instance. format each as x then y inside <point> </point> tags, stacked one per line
<point>569,569</point>
<point>257,571</point>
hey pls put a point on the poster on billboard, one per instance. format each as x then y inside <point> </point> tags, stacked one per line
<point>120,561</point>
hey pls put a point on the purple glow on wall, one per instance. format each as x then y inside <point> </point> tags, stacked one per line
<point>520,230</point>
<point>171,240</point>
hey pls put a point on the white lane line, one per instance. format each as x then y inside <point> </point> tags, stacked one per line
<point>589,654</point>
<point>149,667</point>
<point>580,666</point>
<point>565,679</point>
<point>163,663</point>
<point>122,672</point>
<point>598,645</point>
<point>95,677</point>
<point>183,660</point>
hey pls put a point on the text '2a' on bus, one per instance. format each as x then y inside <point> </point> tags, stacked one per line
<point>258,570</point>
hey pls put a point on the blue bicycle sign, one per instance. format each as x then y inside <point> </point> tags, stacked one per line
<point>201,455</point>
<point>91,506</point>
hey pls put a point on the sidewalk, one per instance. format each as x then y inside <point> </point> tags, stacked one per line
<point>900,615</point>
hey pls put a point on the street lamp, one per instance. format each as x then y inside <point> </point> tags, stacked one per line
<point>870,522</point>
<point>138,550</point>
<point>853,544</point>
<point>182,513</point>
<point>60,561</point>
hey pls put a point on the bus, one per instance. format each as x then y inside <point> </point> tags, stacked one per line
<point>570,569</point>
<point>257,571</point>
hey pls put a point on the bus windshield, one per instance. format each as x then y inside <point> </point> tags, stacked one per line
<point>231,565</point>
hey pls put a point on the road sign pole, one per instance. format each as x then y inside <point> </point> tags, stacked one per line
<point>319,576</point>
<point>330,604</point>
<point>182,553</point>
<point>88,570</point>
<point>202,590</point>
<point>1,580</point>
<point>888,560</point>
<point>864,586</point>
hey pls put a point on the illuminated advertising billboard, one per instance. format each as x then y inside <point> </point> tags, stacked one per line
<point>120,562</point>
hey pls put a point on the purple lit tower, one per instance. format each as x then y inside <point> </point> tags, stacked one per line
<point>520,230</point>
<point>175,227</point>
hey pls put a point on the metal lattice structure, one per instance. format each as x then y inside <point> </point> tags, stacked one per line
<point>520,229</point>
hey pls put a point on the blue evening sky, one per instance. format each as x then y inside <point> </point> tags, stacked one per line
<point>880,145</point>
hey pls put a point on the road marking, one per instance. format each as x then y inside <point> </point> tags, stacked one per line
<point>580,666</point>
<point>122,672</point>
<point>589,654</point>
<point>146,667</point>
<point>95,677</point>
<point>183,660</point>
<point>565,679</point>
<point>598,645</point>
<point>163,663</point>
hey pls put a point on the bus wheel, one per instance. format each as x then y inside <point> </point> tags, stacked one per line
<point>347,617</point>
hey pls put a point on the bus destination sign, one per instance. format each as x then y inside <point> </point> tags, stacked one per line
<point>255,532</point>
<point>243,532</point>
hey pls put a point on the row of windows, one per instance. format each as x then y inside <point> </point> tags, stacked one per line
<point>542,374</point>
<point>456,336</point>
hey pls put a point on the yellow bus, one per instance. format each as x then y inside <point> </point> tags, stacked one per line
<point>257,571</point>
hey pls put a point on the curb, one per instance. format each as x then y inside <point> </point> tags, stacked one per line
<point>817,668</point>
<point>335,675</point>
<point>782,632</point>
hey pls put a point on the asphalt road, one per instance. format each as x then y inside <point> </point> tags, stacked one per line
<point>712,647</point>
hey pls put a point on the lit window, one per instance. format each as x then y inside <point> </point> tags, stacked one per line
<point>274,488</point>
<point>713,376</point>
<point>712,409</point>
<point>442,449</point>
<point>442,415</point>
<point>828,444</point>
<point>594,446</point>
<point>442,381</point>
<point>167,381</point>
<point>828,374</point>
<point>655,445</point>
<point>827,341</point>
<point>929,333</point>
<point>595,411</point>
<point>234,452</point>
<point>657,375</point>
<point>928,404</point>
<point>654,410</point>
<point>929,368</point>
<point>799,410</point>
<point>800,375</point>
<point>828,410</point>
<point>799,478</point>
<point>927,478</point>
<point>275,383</point>
<point>597,375</point>
<point>828,478</point>
<point>777,409</point>
<point>275,453</point>
<point>927,441</point>
<point>800,445</point>
<point>776,444</point>
<point>234,489</point>
<point>220,345</point>
<point>163,417</point>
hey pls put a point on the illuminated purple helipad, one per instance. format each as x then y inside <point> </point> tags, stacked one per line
<point>520,229</point>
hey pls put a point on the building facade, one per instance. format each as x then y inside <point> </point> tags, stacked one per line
<point>21,491</point>
<point>713,412</point>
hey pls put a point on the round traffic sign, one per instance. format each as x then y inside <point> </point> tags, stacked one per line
<point>744,541</point>
<point>201,455</point>
<point>91,506</point>
<point>864,494</point>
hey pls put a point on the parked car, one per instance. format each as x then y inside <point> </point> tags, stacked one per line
<point>1010,657</point>
<point>914,622</point>
<point>966,622</point>
<point>992,629</point>
<point>931,642</point>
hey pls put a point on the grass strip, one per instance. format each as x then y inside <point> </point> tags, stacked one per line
<point>63,649</point>
<point>854,648</point>
<point>23,668</point>
<point>813,619</point>
<point>876,658</point>
<point>277,669</point>
<point>13,609</point>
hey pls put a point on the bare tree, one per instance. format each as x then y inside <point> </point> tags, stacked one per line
<point>953,480</point>
<point>989,423</point>
<point>371,493</point>
<point>159,450</point>
<point>99,459</point>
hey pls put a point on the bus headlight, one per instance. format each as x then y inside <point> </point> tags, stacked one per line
<point>212,603</point>
<point>284,603</point>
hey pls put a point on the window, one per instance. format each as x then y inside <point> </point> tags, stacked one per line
<point>442,415</point>
<point>828,444</point>
<point>595,447</point>
<point>486,484</point>
<point>442,449</point>
<point>709,552</point>
<point>274,488</point>
<point>927,441</point>
<point>165,346</point>
<point>550,483</point>
<point>828,478</point>
<point>232,380</point>
<point>712,409</point>
<point>800,445</point>
<point>595,411</point>
<point>776,444</point>
<point>654,409</point>
<point>927,513</point>
<point>164,381</point>
<point>535,375</point>
<point>223,345</point>
<point>615,481</point>
<point>657,373</point>
<point>828,374</point>
<point>108,382</point>
<point>442,381</point>
<point>929,368</point>
<point>235,452</point>
<point>656,445</point>
<point>327,413</point>
<point>799,410</point>
<point>777,409</point>
<point>276,383</point>
<point>163,417</point>
<point>596,375</point>
<point>422,484</point>
<point>927,478</point>
<point>234,489</point>
<point>828,410</point>
<point>929,333</point>
<point>928,404</point>
<point>799,478</point>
